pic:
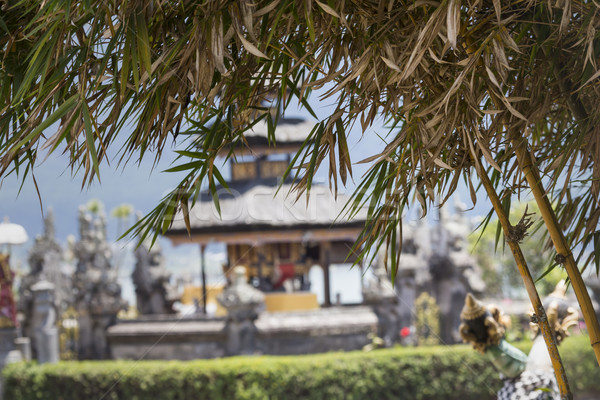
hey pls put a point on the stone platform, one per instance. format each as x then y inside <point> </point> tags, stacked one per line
<point>300,332</point>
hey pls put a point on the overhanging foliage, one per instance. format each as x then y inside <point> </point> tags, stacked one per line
<point>454,79</point>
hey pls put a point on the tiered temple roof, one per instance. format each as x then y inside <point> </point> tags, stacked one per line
<point>264,224</point>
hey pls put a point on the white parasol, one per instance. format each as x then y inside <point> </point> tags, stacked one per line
<point>12,233</point>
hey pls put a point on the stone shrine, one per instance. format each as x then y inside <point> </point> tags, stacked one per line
<point>154,293</point>
<point>96,288</point>
<point>435,259</point>
<point>265,228</point>
<point>243,303</point>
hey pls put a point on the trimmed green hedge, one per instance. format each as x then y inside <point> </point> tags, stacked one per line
<point>450,372</point>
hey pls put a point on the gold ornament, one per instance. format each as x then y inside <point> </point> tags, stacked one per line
<point>472,309</point>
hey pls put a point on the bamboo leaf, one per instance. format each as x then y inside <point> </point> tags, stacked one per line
<point>453,21</point>
<point>89,138</point>
<point>252,49</point>
<point>143,42</point>
<point>391,64</point>
<point>328,9</point>
<point>60,112</point>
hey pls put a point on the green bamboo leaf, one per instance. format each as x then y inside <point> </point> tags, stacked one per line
<point>125,62</point>
<point>191,154</point>
<point>35,63</point>
<point>143,43</point>
<point>217,174</point>
<point>89,137</point>
<point>312,165</point>
<point>135,65</point>
<point>310,25</point>
<point>187,166</point>
<point>215,197</point>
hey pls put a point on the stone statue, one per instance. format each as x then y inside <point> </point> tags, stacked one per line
<point>436,260</point>
<point>243,303</point>
<point>454,272</point>
<point>532,376</point>
<point>46,263</point>
<point>484,327</point>
<point>96,288</point>
<point>154,293</point>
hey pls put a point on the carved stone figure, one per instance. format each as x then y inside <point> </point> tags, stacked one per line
<point>97,292</point>
<point>46,263</point>
<point>154,293</point>
<point>243,303</point>
<point>454,271</point>
<point>435,260</point>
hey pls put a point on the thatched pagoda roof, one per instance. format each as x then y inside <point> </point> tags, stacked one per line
<point>257,206</point>
<point>290,133</point>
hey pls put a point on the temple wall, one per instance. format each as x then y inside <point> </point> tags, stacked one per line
<point>167,339</point>
<point>317,331</point>
<point>281,333</point>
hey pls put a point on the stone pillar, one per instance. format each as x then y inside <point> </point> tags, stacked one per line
<point>325,261</point>
<point>23,345</point>
<point>243,304</point>
<point>45,331</point>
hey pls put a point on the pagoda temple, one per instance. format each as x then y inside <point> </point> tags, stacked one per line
<point>263,224</point>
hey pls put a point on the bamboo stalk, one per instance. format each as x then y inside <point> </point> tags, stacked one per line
<point>547,332</point>
<point>560,243</point>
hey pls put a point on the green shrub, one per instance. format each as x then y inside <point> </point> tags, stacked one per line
<point>450,372</point>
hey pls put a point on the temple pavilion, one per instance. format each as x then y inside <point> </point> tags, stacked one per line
<point>265,227</point>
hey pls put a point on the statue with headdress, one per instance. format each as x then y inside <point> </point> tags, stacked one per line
<point>97,292</point>
<point>524,376</point>
<point>484,327</point>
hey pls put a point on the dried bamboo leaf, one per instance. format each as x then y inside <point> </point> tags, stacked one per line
<point>453,21</point>
<point>252,49</point>
<point>328,9</point>
<point>391,64</point>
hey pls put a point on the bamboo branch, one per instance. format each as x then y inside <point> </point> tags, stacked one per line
<point>524,159</point>
<point>547,332</point>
